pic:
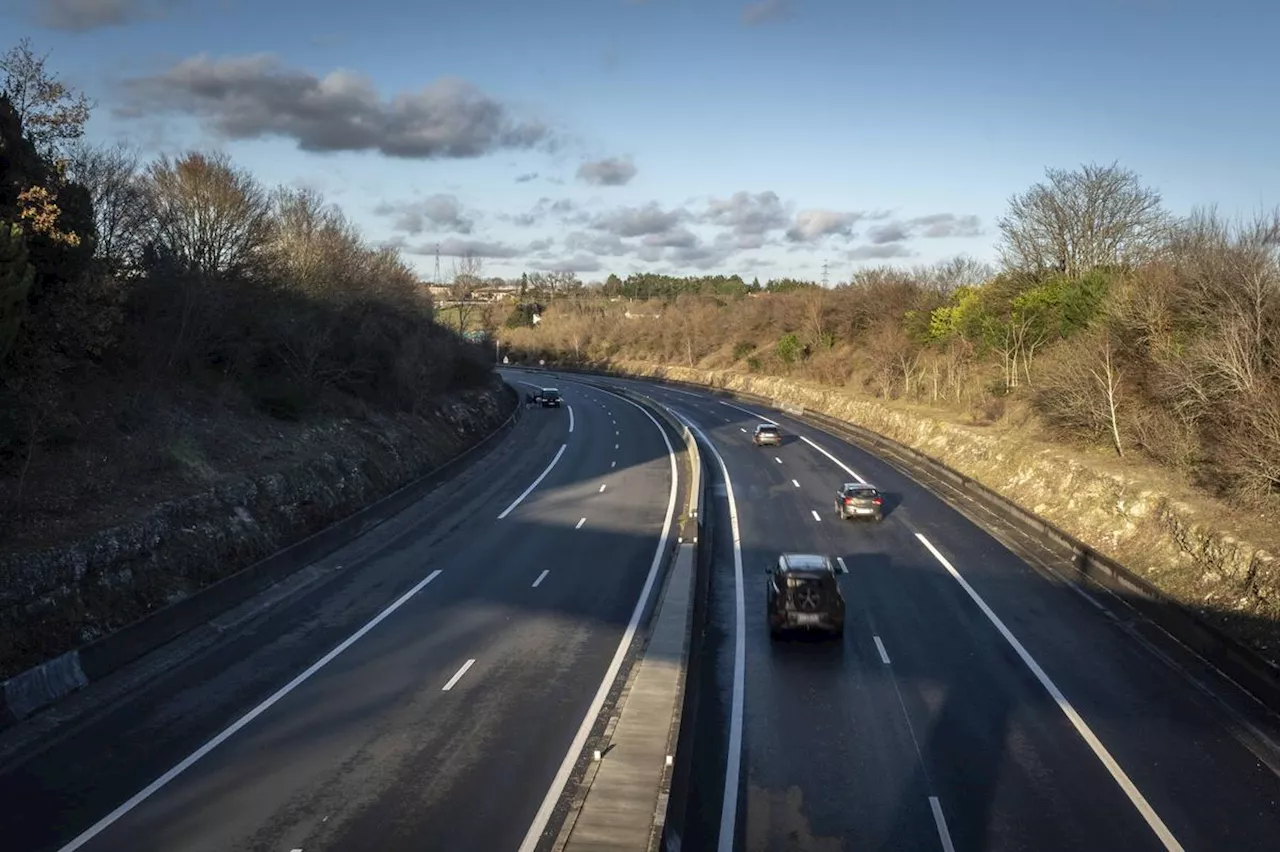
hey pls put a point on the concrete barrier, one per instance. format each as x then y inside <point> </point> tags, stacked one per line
<point>631,798</point>
<point>37,687</point>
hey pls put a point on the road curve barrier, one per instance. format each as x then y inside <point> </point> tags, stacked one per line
<point>658,752</point>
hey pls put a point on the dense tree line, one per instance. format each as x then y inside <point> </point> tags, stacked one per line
<point>124,279</point>
<point>1109,318</point>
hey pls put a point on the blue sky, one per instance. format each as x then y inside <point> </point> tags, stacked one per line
<point>671,135</point>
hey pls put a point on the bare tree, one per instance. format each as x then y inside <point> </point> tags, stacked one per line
<point>52,115</point>
<point>111,174</point>
<point>312,246</point>
<point>468,274</point>
<point>815,300</point>
<point>1079,220</point>
<point>206,213</point>
<point>1084,391</point>
<point>947,276</point>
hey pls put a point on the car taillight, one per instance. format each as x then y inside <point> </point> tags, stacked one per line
<point>877,501</point>
<point>848,500</point>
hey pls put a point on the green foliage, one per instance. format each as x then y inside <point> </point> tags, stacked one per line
<point>16,277</point>
<point>787,285</point>
<point>668,287</point>
<point>1063,305</point>
<point>742,349</point>
<point>521,316</point>
<point>788,348</point>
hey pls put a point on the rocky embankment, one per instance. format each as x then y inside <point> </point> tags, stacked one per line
<point>1204,554</point>
<point>57,598</point>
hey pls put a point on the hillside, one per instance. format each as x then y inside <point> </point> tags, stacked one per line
<point>176,338</point>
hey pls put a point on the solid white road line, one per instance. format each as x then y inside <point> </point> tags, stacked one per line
<point>839,464</point>
<point>884,656</point>
<point>602,488</point>
<point>541,577</point>
<point>150,790</point>
<point>796,484</point>
<point>543,816</point>
<point>755,414</point>
<point>580,523</point>
<point>733,762</point>
<point>844,569</point>
<point>815,514</point>
<point>940,821</point>
<point>570,407</point>
<point>541,476</point>
<point>1086,733</point>
<point>457,676</point>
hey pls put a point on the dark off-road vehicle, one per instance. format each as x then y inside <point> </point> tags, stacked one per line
<point>803,595</point>
<point>859,500</point>
<point>767,433</point>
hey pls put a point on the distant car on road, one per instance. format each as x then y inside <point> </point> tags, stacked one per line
<point>803,595</point>
<point>859,500</point>
<point>767,433</point>
<point>549,398</point>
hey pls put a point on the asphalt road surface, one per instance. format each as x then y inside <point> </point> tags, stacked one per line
<point>973,705</point>
<point>445,725</point>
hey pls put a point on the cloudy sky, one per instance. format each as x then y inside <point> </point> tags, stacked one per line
<point>762,137</point>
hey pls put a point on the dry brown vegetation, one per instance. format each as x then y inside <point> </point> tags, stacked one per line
<point>1111,323</point>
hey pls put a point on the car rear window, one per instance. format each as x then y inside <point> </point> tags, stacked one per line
<point>771,429</point>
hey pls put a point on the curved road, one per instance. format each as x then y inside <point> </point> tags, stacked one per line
<point>501,609</point>
<point>973,704</point>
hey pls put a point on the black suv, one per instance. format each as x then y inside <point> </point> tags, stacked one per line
<point>550,398</point>
<point>859,500</point>
<point>803,595</point>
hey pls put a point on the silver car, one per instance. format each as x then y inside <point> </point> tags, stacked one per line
<point>767,433</point>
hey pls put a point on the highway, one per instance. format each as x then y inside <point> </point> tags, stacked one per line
<point>425,690</point>
<point>973,704</point>
<point>429,686</point>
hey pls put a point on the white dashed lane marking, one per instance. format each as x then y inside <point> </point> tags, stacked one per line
<point>884,656</point>
<point>458,675</point>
